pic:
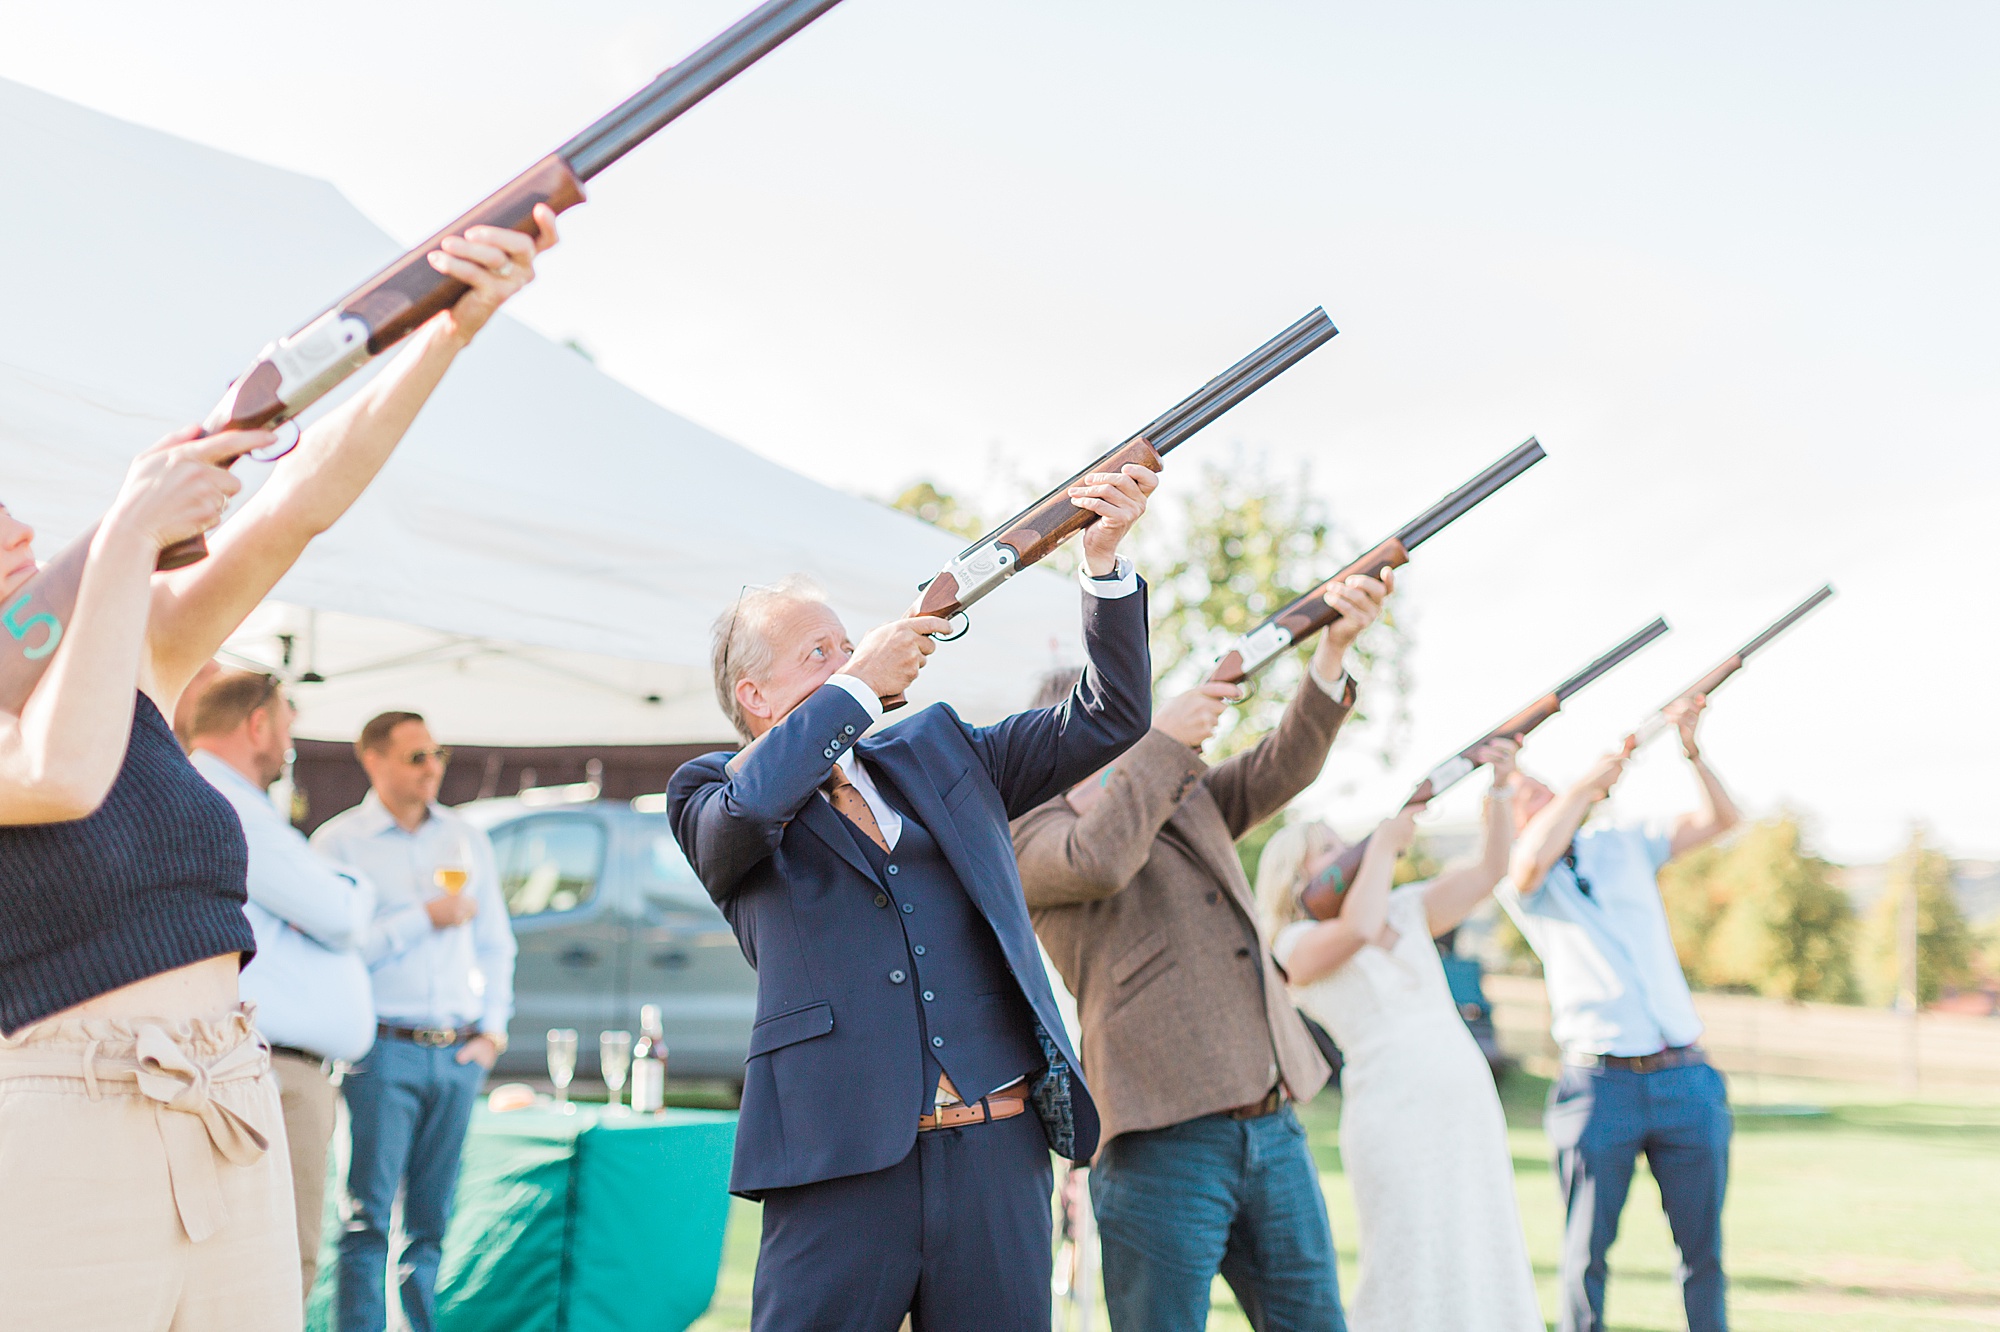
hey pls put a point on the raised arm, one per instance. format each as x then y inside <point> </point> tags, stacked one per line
<point>59,757</point>
<point>1454,893</point>
<point>1329,944</point>
<point>1550,832</point>
<point>195,608</point>
<point>1089,844</point>
<point>1717,813</point>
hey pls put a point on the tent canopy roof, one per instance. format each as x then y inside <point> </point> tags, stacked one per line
<point>541,561</point>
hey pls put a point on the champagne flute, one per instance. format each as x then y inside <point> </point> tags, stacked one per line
<point>614,1055</point>
<point>453,873</point>
<point>562,1063</point>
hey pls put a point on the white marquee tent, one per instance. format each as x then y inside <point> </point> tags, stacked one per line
<point>540,562</point>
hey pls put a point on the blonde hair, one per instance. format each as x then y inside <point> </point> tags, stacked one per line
<point>1281,870</point>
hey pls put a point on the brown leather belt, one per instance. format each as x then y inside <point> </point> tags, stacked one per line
<point>1674,1056</point>
<point>435,1037</point>
<point>1003,1104</point>
<point>1269,1104</point>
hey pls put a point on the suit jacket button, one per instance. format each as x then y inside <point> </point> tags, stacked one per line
<point>892,869</point>
<point>881,899</point>
<point>826,753</point>
<point>937,1040</point>
<point>928,996</point>
<point>1212,897</point>
<point>850,730</point>
<point>907,909</point>
<point>1242,952</point>
<point>918,950</point>
<point>896,978</point>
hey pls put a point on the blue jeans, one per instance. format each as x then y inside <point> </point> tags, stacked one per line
<point>1240,1197</point>
<point>1598,1121</point>
<point>408,1106</point>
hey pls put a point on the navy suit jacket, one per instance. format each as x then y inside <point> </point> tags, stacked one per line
<point>834,1082</point>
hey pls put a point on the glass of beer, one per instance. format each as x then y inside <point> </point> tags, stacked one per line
<point>455,871</point>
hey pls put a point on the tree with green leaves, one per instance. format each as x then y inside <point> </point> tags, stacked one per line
<point>1945,941</point>
<point>1761,914</point>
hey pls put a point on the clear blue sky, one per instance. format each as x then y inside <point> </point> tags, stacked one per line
<point>1733,264</point>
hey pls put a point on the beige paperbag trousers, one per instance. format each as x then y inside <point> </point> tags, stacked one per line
<point>144,1183</point>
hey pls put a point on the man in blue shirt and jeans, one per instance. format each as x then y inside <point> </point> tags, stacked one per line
<point>441,959</point>
<point>1633,1079</point>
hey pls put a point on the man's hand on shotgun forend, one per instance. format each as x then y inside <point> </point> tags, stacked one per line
<point>1359,600</point>
<point>890,655</point>
<point>1119,500</point>
<point>1685,714</point>
<point>495,262</point>
<point>1191,718</point>
<point>1501,754</point>
<point>1604,774</point>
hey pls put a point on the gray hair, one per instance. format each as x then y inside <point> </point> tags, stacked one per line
<point>741,649</point>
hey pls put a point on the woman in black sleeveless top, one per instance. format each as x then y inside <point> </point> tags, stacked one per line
<point>138,1185</point>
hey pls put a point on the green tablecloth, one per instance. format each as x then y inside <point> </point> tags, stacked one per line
<point>576,1222</point>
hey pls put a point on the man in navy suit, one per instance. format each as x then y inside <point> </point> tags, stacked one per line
<point>908,1071</point>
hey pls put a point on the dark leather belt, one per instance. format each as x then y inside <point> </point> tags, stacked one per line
<point>1674,1056</point>
<point>435,1037</point>
<point>1003,1104</point>
<point>296,1053</point>
<point>1269,1104</point>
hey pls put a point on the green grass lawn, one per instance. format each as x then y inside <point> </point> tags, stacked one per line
<point>1870,1218</point>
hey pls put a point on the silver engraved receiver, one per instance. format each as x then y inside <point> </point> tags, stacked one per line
<point>979,571</point>
<point>1262,644</point>
<point>317,357</point>
<point>1449,773</point>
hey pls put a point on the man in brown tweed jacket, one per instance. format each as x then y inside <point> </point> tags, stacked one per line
<point>1190,1044</point>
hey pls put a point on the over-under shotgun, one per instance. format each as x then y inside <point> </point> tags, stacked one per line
<point>1308,614</point>
<point>1322,896</point>
<point>1731,664</point>
<point>1037,530</point>
<point>299,369</point>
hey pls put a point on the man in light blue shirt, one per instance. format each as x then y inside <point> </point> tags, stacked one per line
<point>308,981</point>
<point>1633,1080</point>
<point>440,954</point>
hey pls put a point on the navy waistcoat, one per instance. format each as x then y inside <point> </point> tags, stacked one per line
<point>971,1018</point>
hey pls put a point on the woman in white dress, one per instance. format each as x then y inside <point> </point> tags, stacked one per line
<point>1422,1135</point>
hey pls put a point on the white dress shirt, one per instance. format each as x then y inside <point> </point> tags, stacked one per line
<point>307,980</point>
<point>1123,582</point>
<point>424,976</point>
<point>1615,983</point>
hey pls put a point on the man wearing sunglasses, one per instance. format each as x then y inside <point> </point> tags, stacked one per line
<point>441,959</point>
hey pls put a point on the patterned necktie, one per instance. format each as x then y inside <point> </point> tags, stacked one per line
<point>849,801</point>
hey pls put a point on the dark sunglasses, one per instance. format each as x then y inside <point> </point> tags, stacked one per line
<point>442,754</point>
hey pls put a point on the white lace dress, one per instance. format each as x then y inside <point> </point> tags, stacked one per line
<point>1423,1141</point>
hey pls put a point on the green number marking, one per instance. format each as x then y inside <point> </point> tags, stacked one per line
<point>20,628</point>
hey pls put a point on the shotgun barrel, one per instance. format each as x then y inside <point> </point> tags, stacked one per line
<point>1306,615</point>
<point>299,369</point>
<point>1323,895</point>
<point>1045,524</point>
<point>1731,664</point>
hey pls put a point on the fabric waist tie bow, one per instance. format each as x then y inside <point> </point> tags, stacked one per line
<point>195,1128</point>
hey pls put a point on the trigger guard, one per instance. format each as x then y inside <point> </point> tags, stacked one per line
<point>964,628</point>
<point>280,446</point>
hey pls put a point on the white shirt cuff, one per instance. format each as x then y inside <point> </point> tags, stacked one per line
<point>1336,688</point>
<point>862,694</point>
<point>1123,582</point>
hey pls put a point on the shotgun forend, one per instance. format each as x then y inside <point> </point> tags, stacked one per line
<point>1731,664</point>
<point>1308,614</point>
<point>299,369</point>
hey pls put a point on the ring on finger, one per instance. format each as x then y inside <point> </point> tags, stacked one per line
<point>506,269</point>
